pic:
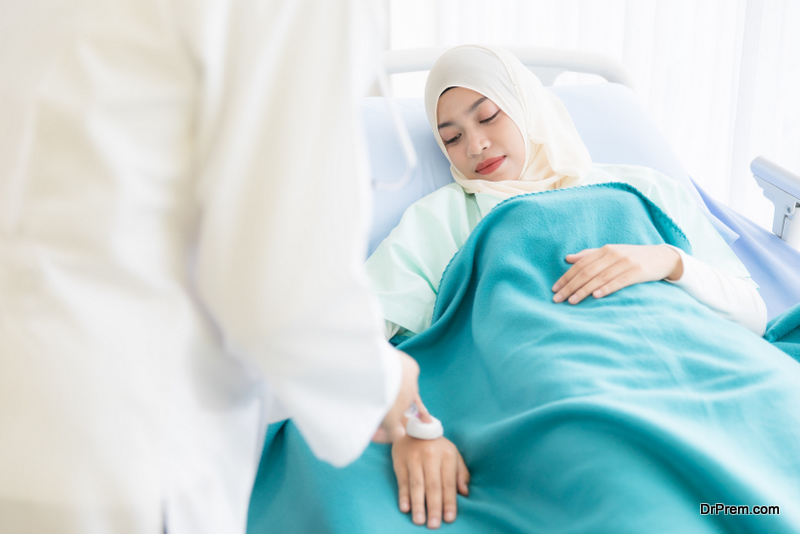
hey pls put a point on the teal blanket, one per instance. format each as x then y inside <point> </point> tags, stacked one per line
<point>623,414</point>
<point>784,332</point>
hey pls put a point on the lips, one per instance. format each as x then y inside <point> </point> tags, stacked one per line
<point>488,166</point>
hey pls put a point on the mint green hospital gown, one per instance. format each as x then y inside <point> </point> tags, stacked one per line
<point>407,266</point>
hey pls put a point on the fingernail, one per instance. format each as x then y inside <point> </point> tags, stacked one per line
<point>449,516</point>
<point>434,522</point>
<point>555,288</point>
<point>404,506</point>
<point>558,298</point>
<point>419,519</point>
<point>573,299</point>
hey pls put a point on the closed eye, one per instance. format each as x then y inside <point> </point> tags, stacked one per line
<point>452,140</point>
<point>484,121</point>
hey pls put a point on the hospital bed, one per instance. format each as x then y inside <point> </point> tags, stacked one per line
<point>615,129</point>
<point>514,481</point>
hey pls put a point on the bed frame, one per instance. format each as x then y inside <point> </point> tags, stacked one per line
<point>782,188</point>
<point>546,63</point>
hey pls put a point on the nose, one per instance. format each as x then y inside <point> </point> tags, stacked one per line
<point>478,142</point>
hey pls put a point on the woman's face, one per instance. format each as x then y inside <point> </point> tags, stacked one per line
<point>481,140</point>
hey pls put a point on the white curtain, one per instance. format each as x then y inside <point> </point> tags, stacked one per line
<point>721,78</point>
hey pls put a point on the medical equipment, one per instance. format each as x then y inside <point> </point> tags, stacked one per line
<point>417,429</point>
<point>615,129</point>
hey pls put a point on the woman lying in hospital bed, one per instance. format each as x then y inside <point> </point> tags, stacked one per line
<point>581,397</point>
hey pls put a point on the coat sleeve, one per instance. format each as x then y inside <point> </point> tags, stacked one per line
<point>284,195</point>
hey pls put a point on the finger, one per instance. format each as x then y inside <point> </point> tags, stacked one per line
<point>587,257</point>
<point>433,491</point>
<point>572,258</point>
<point>403,500</point>
<point>463,477</point>
<point>398,432</point>
<point>417,492</point>
<point>449,481</point>
<point>584,272</point>
<point>384,435</point>
<point>622,280</point>
<point>381,436</point>
<point>424,414</point>
<point>593,286</point>
<point>393,422</point>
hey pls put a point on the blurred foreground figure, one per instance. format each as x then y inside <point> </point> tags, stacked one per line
<point>183,215</point>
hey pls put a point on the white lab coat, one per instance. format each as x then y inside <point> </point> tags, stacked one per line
<point>183,213</point>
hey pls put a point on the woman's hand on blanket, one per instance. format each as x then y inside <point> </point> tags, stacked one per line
<point>394,424</point>
<point>429,471</point>
<point>602,271</point>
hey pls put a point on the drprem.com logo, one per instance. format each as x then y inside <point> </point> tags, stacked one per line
<point>726,509</point>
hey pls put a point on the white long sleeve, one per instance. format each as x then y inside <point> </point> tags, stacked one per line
<point>733,298</point>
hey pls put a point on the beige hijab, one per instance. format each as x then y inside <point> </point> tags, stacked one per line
<point>555,155</point>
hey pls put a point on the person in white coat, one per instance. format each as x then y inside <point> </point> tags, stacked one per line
<point>183,222</point>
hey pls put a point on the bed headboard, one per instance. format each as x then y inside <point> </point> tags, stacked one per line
<point>546,63</point>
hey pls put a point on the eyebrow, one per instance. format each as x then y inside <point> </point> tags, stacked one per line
<point>472,108</point>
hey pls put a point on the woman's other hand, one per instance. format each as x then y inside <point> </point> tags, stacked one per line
<point>432,471</point>
<point>602,271</point>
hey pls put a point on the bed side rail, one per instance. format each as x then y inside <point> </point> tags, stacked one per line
<point>782,188</point>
